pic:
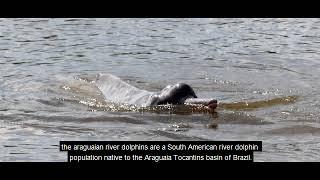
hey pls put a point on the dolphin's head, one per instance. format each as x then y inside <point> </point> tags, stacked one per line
<point>176,94</point>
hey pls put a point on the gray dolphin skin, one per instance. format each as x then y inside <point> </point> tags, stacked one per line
<point>116,90</point>
<point>181,93</point>
<point>174,94</point>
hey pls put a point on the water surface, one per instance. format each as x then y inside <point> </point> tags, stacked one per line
<point>46,92</point>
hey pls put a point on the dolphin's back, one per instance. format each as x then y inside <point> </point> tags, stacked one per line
<point>116,90</point>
